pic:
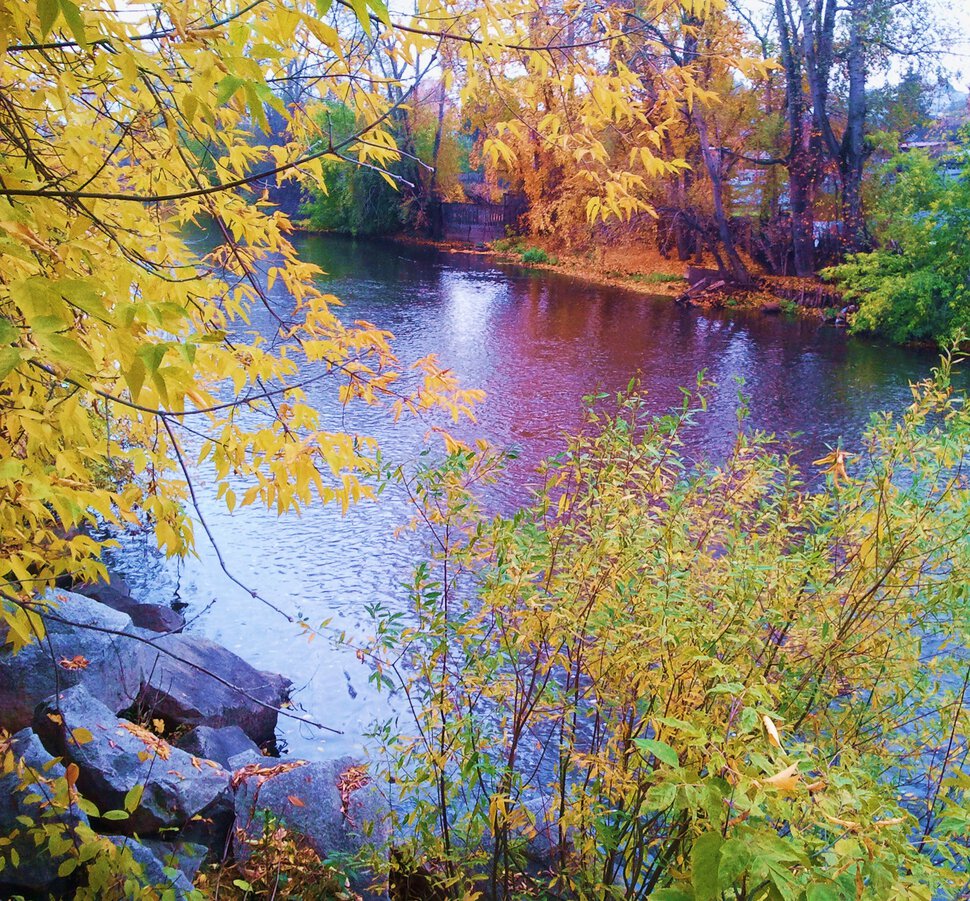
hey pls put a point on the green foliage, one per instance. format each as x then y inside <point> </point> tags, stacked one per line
<point>279,864</point>
<point>351,199</point>
<point>788,306</point>
<point>511,244</point>
<point>535,255</point>
<point>656,278</point>
<point>899,107</point>
<point>915,285</point>
<point>691,681</point>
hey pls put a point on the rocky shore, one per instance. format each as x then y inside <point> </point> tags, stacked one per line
<point>168,738</point>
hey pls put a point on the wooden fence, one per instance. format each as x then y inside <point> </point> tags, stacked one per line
<point>475,223</point>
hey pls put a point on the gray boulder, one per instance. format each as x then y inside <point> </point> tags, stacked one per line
<point>185,856</point>
<point>31,790</point>
<point>156,618</point>
<point>113,756</point>
<point>117,595</point>
<point>155,871</point>
<point>71,653</point>
<point>306,798</point>
<point>182,693</point>
<point>219,745</point>
<point>245,758</point>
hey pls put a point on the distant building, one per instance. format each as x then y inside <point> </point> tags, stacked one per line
<point>936,138</point>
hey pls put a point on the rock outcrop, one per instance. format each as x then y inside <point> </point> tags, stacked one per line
<point>221,745</point>
<point>117,595</point>
<point>168,806</point>
<point>331,803</point>
<point>82,644</point>
<point>180,690</point>
<point>114,756</point>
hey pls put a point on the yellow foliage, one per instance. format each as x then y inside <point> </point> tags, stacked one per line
<point>117,342</point>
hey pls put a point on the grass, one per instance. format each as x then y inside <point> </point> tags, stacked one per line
<point>656,278</point>
<point>528,254</point>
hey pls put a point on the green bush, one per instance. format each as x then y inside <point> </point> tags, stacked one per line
<point>691,681</point>
<point>915,285</point>
<point>534,255</point>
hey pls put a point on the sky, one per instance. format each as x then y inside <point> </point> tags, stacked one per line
<point>956,56</point>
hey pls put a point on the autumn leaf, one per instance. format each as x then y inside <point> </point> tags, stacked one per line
<point>785,781</point>
<point>833,464</point>
<point>78,662</point>
<point>772,731</point>
<point>70,775</point>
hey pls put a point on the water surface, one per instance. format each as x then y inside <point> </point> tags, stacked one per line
<point>536,342</point>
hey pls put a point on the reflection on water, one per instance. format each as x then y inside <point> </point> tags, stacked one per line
<point>536,343</point>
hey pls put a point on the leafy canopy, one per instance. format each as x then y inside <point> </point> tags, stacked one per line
<point>120,125</point>
<point>117,343</point>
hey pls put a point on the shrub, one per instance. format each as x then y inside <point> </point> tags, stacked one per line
<point>353,200</point>
<point>683,680</point>
<point>914,285</point>
<point>534,255</point>
<point>511,244</point>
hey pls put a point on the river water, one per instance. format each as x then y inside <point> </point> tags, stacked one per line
<point>537,342</point>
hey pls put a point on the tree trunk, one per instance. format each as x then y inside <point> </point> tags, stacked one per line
<point>801,191</point>
<point>734,265</point>
<point>800,164</point>
<point>436,149</point>
<point>852,157</point>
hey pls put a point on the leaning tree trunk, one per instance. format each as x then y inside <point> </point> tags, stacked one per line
<point>436,149</point>
<point>732,261</point>
<point>736,269</point>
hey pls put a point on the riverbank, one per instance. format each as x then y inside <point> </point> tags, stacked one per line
<point>639,268</point>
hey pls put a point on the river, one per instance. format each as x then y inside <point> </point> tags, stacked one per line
<point>536,342</point>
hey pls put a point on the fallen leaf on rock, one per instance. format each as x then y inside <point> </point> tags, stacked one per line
<point>262,773</point>
<point>153,744</point>
<point>73,663</point>
<point>349,781</point>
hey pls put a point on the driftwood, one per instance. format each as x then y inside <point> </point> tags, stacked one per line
<point>701,281</point>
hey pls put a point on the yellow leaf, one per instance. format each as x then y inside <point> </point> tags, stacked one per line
<point>787,780</point>
<point>772,731</point>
